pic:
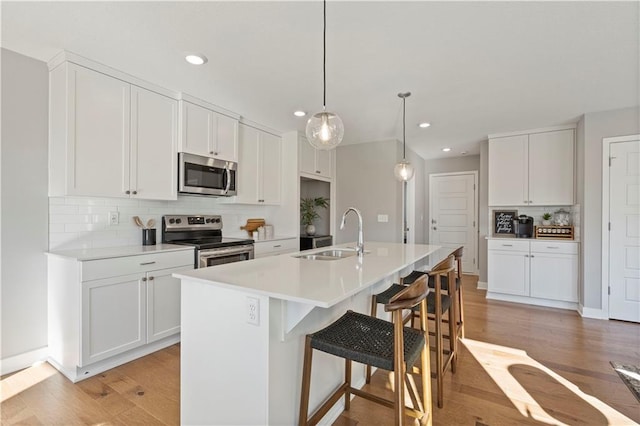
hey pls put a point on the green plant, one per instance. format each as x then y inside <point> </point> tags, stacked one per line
<point>308,211</point>
<point>546,216</point>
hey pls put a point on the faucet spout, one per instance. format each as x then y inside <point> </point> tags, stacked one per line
<point>360,243</point>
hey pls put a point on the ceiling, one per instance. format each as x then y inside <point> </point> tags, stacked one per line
<point>473,68</point>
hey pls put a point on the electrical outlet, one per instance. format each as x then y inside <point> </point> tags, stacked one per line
<point>383,218</point>
<point>253,310</point>
<point>114,218</point>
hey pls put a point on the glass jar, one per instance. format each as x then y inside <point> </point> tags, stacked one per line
<point>562,218</point>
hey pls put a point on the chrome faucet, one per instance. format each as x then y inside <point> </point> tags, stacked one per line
<point>360,244</point>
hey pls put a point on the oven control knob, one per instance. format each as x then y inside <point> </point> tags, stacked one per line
<point>178,220</point>
<point>217,220</point>
<point>208,220</point>
<point>172,220</point>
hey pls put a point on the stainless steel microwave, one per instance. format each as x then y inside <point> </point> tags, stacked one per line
<point>206,176</point>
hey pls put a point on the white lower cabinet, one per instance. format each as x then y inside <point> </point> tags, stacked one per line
<point>538,270</point>
<point>106,312</point>
<point>275,247</point>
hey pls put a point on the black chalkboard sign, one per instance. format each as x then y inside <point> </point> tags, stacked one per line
<point>503,221</point>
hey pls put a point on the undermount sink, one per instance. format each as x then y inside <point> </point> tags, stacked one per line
<point>329,254</point>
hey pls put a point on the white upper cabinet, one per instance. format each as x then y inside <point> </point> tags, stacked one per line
<point>207,133</point>
<point>314,162</point>
<point>259,167</point>
<point>535,169</point>
<point>109,138</point>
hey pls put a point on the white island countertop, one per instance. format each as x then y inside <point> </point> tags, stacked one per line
<point>321,283</point>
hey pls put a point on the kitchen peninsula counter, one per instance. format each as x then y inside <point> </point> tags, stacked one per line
<point>243,328</point>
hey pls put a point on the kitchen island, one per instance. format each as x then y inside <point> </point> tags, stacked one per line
<point>243,328</point>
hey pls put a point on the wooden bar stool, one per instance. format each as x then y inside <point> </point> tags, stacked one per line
<point>383,344</point>
<point>438,305</point>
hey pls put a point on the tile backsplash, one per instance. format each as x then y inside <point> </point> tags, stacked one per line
<point>83,222</point>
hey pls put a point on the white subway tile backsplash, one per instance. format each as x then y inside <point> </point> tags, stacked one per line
<point>82,222</point>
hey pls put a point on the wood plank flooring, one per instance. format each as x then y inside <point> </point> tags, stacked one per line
<point>519,365</point>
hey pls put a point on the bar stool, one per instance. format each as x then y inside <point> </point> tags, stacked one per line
<point>438,304</point>
<point>383,344</point>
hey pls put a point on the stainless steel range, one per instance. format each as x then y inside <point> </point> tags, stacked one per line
<point>204,232</point>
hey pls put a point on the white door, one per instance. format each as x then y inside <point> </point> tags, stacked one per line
<point>453,215</point>
<point>624,237</point>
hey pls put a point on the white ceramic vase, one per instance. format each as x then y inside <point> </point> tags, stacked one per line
<point>310,230</point>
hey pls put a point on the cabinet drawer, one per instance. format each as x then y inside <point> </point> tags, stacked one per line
<point>118,266</point>
<point>554,247</point>
<point>269,248</point>
<point>508,245</point>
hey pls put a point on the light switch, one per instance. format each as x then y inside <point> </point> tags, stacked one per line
<point>383,218</point>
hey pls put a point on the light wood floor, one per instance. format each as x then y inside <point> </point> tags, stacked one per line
<point>519,365</point>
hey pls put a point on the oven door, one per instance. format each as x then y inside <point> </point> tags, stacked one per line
<point>220,256</point>
<point>206,176</point>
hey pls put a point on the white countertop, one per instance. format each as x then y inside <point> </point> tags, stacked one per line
<point>320,283</point>
<point>513,237</point>
<point>110,252</point>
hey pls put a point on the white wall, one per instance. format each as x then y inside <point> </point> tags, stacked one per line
<point>24,205</point>
<point>597,125</point>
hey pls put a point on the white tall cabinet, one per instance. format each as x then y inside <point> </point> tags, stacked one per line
<point>314,163</point>
<point>534,169</point>
<point>110,138</point>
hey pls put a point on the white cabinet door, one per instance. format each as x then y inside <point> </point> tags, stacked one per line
<point>196,129</point>
<point>324,163</point>
<point>154,120</point>
<point>259,167</point>
<point>551,177</point>
<point>226,137</point>
<point>508,171</point>
<point>247,174</point>
<point>307,156</point>
<point>554,276</point>
<point>508,272</point>
<point>208,133</point>
<point>97,146</point>
<point>270,168</point>
<point>113,317</point>
<point>163,303</point>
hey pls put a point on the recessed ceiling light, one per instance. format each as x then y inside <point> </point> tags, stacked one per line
<point>424,125</point>
<point>196,59</point>
<point>464,153</point>
<point>446,149</point>
<point>299,113</point>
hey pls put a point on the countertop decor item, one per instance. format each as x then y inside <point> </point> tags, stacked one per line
<point>324,129</point>
<point>308,212</point>
<point>503,221</point>
<point>253,225</point>
<point>546,219</point>
<point>403,171</point>
<point>564,232</point>
<point>562,218</point>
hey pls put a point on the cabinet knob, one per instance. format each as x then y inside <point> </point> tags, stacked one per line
<point>526,202</point>
<point>144,279</point>
<point>135,192</point>
<point>532,256</point>
<point>530,202</point>
<point>210,152</point>
<point>127,192</point>
<point>526,255</point>
<point>318,171</point>
<point>435,229</point>
<point>215,153</point>
<point>150,278</point>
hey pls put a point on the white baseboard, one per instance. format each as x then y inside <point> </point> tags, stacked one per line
<point>27,359</point>
<point>482,285</point>
<point>592,313</point>
<point>533,301</point>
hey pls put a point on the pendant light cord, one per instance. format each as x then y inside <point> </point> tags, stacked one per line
<point>324,57</point>
<point>404,136</point>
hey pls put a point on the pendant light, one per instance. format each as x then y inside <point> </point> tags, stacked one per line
<point>324,129</point>
<point>403,170</point>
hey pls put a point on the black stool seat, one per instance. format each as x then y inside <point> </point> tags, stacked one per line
<point>394,289</point>
<point>444,281</point>
<point>367,340</point>
<point>386,295</point>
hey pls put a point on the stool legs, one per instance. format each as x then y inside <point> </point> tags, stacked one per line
<point>374,313</point>
<point>398,367</point>
<point>306,382</point>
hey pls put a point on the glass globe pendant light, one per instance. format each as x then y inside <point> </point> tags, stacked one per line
<point>403,171</point>
<point>324,129</point>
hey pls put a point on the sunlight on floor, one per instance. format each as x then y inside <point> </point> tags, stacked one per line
<point>24,379</point>
<point>630,374</point>
<point>498,362</point>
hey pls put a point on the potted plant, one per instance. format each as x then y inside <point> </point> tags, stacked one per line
<point>546,219</point>
<point>308,212</point>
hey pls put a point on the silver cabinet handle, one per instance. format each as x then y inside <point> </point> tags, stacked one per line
<point>550,247</point>
<point>279,245</point>
<point>507,245</point>
<point>147,263</point>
